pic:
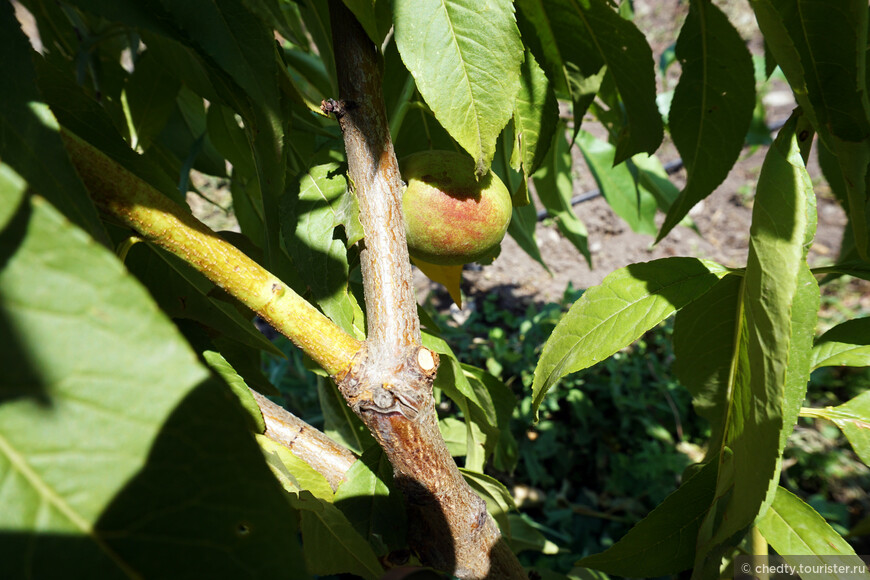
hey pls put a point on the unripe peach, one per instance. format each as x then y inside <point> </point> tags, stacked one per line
<point>451,218</point>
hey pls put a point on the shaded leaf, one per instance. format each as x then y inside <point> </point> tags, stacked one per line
<point>617,312</point>
<point>617,185</point>
<point>234,380</point>
<point>93,369</point>
<point>339,422</point>
<point>585,37</point>
<point>524,219</point>
<point>847,344</point>
<point>465,56</point>
<point>498,499</point>
<point>375,17</point>
<point>704,349</point>
<point>371,503</point>
<point>805,38</point>
<point>766,373</point>
<point>150,95</point>
<point>311,213</point>
<point>712,105</point>
<point>12,190</point>
<point>554,184</point>
<point>29,142</point>
<point>664,541</point>
<point>331,543</point>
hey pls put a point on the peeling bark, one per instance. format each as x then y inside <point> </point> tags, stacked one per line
<point>390,383</point>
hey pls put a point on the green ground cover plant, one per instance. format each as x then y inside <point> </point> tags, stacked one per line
<point>137,439</point>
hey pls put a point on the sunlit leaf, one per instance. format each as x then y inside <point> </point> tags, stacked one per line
<point>617,312</point>
<point>802,537</point>
<point>853,418</point>
<point>294,474</point>
<point>465,56</point>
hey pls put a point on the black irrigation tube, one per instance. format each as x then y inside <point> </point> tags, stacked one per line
<point>671,167</point>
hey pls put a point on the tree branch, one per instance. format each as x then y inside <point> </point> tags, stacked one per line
<point>161,221</point>
<point>390,385</point>
<point>323,454</point>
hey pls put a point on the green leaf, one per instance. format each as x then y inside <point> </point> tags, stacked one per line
<point>712,105</point>
<point>617,185</point>
<point>12,190</point>
<point>567,35</point>
<point>525,536</point>
<point>332,545</point>
<point>150,96</point>
<point>853,419</point>
<point>652,177</point>
<point>524,220</point>
<point>185,135</point>
<point>312,210</point>
<point>617,312</point>
<point>372,504</point>
<point>294,474</point>
<point>663,542</point>
<point>29,142</point>
<point>554,183</point>
<point>85,118</point>
<point>847,344</point>
<point>234,380</point>
<point>497,497</point>
<point>536,116</point>
<point>465,56</point>
<point>93,372</point>
<point>767,370</point>
<point>803,537</point>
<point>375,17</point>
<point>806,38</point>
<point>237,41</point>
<point>278,15</point>
<point>229,139</point>
<point>704,350</point>
<point>339,422</point>
<point>454,433</point>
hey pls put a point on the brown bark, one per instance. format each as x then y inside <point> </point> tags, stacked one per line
<point>390,384</point>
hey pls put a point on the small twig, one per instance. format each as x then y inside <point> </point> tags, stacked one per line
<point>305,442</point>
